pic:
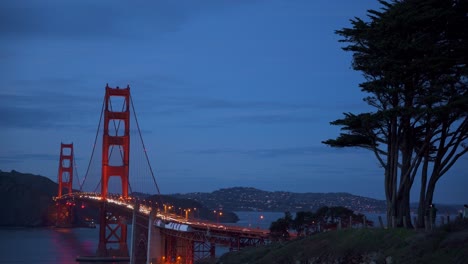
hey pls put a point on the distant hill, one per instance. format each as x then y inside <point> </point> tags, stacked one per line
<point>198,210</point>
<point>25,199</point>
<point>251,199</point>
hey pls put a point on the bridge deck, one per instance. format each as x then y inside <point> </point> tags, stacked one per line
<point>182,224</point>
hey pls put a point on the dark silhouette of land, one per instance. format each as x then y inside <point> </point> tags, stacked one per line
<point>251,199</point>
<point>26,200</point>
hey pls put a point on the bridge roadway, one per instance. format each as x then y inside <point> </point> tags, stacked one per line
<point>234,237</point>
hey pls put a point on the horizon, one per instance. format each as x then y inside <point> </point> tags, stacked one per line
<point>226,92</point>
<point>248,187</point>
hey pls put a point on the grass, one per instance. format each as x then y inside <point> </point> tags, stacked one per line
<point>448,244</point>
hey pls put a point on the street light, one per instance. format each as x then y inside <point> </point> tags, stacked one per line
<point>260,221</point>
<point>166,207</point>
<point>186,213</point>
<point>220,213</point>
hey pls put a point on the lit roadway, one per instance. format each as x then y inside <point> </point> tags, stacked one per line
<point>184,224</point>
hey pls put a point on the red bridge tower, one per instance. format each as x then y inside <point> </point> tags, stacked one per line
<point>115,144</point>
<point>65,180</point>
<point>65,175</point>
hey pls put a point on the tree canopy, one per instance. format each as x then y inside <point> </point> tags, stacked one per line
<point>413,56</point>
<point>307,223</point>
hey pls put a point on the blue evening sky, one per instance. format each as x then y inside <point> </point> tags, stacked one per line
<point>227,93</point>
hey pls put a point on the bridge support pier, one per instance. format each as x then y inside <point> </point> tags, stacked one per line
<point>64,214</point>
<point>112,230</point>
<point>154,252</point>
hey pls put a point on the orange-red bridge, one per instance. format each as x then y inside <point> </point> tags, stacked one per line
<point>156,236</point>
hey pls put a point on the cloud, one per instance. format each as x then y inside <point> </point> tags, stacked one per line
<point>276,152</point>
<point>102,19</point>
<point>17,117</point>
<point>56,19</point>
<point>283,118</point>
<point>233,111</point>
<point>17,158</point>
<point>218,103</point>
<point>213,103</point>
<point>26,107</point>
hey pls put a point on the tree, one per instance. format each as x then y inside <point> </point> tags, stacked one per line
<point>331,216</point>
<point>325,218</point>
<point>413,55</point>
<point>279,229</point>
<point>302,223</point>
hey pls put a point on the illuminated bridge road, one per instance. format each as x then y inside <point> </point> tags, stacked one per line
<point>189,239</point>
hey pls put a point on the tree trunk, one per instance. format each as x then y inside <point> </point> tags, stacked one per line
<point>422,193</point>
<point>405,208</point>
<point>424,172</point>
<point>391,171</point>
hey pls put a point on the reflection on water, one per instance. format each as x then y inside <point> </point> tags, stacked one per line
<point>261,220</point>
<point>46,245</point>
<point>55,245</point>
<point>51,245</point>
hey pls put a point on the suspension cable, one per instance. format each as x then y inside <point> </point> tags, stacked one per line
<point>97,186</point>
<point>94,146</point>
<point>76,172</point>
<point>144,149</point>
<point>58,170</point>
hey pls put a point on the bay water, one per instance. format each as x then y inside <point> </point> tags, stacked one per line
<point>58,245</point>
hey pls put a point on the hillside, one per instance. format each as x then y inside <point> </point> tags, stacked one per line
<point>197,209</point>
<point>251,199</point>
<point>445,245</point>
<point>25,199</point>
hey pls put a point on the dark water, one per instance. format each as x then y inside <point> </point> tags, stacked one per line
<point>46,245</point>
<point>261,220</point>
<point>50,245</point>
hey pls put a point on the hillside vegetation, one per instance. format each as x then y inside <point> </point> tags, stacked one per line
<point>25,199</point>
<point>448,244</point>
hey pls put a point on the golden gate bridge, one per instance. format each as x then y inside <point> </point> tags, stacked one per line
<point>157,236</point>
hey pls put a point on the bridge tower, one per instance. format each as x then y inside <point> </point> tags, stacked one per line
<point>117,142</point>
<point>65,175</point>
<point>64,216</point>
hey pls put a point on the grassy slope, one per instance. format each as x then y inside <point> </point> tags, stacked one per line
<point>446,245</point>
